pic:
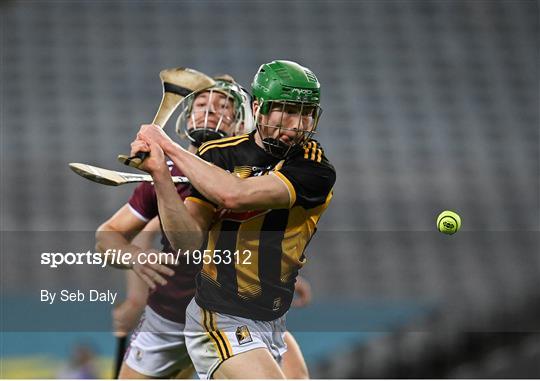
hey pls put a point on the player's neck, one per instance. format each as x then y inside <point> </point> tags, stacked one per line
<point>192,148</point>
<point>258,140</point>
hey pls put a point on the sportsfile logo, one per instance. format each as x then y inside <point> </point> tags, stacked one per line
<point>111,257</point>
<point>118,258</point>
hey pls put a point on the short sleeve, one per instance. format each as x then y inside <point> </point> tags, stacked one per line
<point>195,195</point>
<point>143,202</point>
<point>309,181</point>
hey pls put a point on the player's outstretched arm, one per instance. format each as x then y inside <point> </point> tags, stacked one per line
<point>228,191</point>
<point>185,229</point>
<point>150,273</point>
<point>118,231</point>
<point>127,314</point>
<point>117,234</point>
<point>219,186</point>
<point>145,238</point>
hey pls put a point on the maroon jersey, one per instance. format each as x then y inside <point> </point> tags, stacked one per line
<point>169,301</point>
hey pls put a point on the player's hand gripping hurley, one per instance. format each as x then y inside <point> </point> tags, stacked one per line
<point>177,84</point>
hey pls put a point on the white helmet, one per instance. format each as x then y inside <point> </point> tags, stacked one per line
<point>216,112</point>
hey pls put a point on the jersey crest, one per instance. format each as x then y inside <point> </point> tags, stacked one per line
<point>245,171</point>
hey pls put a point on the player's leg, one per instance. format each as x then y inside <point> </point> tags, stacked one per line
<point>126,316</point>
<point>186,373</point>
<point>127,373</point>
<point>293,364</point>
<point>157,349</point>
<point>226,346</point>
<point>255,364</point>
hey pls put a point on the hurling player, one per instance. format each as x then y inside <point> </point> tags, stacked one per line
<point>158,347</point>
<point>257,198</point>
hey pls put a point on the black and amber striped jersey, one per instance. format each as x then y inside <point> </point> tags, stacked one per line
<point>257,253</point>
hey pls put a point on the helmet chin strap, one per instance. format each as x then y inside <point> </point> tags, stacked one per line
<point>272,146</point>
<point>280,150</point>
<point>200,135</point>
<point>275,147</point>
<point>203,135</point>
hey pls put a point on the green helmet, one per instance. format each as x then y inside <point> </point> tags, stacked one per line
<point>285,81</point>
<point>288,97</point>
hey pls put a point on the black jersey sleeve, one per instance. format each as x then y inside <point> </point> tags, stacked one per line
<point>309,177</point>
<point>195,195</point>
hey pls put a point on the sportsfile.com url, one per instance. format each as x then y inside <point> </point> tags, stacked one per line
<point>110,257</point>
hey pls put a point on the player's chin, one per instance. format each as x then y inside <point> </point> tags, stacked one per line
<point>286,142</point>
<point>210,123</point>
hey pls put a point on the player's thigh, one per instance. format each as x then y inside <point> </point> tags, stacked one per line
<point>213,338</point>
<point>255,364</point>
<point>293,364</point>
<point>184,374</point>
<point>157,348</point>
<point>127,373</point>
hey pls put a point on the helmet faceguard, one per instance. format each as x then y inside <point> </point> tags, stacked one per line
<point>213,113</point>
<point>288,99</point>
<point>287,125</point>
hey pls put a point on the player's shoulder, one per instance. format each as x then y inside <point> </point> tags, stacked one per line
<point>222,144</point>
<point>312,152</point>
<point>309,166</point>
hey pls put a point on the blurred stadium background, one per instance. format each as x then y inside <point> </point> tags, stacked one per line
<point>428,105</point>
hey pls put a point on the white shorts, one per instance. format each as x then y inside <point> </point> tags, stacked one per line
<point>212,338</point>
<point>157,347</point>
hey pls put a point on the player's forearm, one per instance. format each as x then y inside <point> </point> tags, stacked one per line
<point>109,239</point>
<point>216,184</point>
<point>144,240</point>
<point>137,290</point>
<point>181,229</point>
